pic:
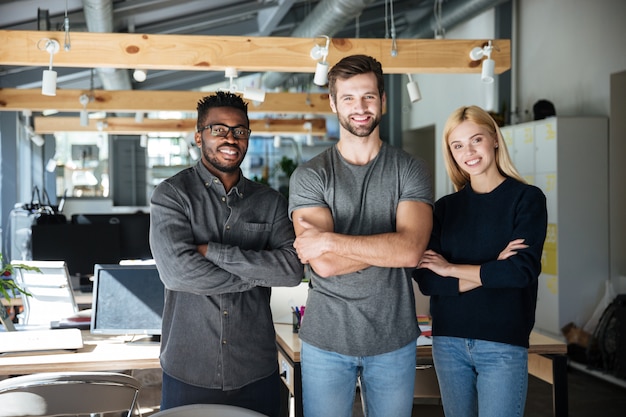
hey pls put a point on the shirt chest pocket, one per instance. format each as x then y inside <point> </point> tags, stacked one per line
<point>254,235</point>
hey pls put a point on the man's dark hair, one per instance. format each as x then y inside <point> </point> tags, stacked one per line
<point>353,65</point>
<point>220,99</point>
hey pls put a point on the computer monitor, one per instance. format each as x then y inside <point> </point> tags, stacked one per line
<point>80,246</point>
<point>127,300</point>
<point>134,231</point>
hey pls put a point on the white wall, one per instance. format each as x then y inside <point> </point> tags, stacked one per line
<point>567,50</point>
<point>564,51</point>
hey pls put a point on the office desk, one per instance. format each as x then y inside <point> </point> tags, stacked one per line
<point>547,360</point>
<point>99,353</point>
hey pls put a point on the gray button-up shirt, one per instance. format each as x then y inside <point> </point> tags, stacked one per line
<point>217,324</point>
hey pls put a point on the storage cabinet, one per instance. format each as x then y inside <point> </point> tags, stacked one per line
<point>567,157</point>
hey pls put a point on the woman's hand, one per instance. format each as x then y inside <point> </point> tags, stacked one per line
<point>435,262</point>
<point>512,248</point>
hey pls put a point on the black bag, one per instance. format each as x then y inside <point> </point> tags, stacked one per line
<point>43,211</point>
<point>607,349</point>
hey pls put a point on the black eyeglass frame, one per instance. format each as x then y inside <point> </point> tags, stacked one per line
<point>228,130</point>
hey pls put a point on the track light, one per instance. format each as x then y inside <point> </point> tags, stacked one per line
<point>49,79</point>
<point>488,66</point>
<point>84,115</point>
<point>249,93</point>
<point>277,141</point>
<point>139,117</point>
<point>413,90</point>
<point>321,69</point>
<point>140,75</point>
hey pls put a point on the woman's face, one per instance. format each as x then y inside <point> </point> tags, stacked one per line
<point>473,148</point>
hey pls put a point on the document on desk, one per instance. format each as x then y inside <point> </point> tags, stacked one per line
<point>40,340</point>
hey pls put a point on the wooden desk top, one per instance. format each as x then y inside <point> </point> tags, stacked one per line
<point>539,343</point>
<point>106,353</point>
<point>99,353</point>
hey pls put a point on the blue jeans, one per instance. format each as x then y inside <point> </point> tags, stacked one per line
<point>262,396</point>
<point>480,378</point>
<point>329,382</point>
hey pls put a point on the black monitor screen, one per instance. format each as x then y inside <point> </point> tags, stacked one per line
<point>127,300</point>
<point>134,231</point>
<point>80,246</point>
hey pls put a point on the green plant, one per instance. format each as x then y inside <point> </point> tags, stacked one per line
<point>8,287</point>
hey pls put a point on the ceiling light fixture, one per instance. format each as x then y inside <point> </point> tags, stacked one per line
<point>49,80</point>
<point>84,115</point>
<point>413,90</point>
<point>249,93</point>
<point>488,69</point>
<point>308,126</point>
<point>140,75</point>
<point>319,53</point>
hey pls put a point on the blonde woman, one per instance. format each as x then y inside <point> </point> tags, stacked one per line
<point>481,271</point>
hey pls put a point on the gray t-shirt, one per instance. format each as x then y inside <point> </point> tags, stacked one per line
<point>371,311</point>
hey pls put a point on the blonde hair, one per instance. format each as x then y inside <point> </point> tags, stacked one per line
<point>480,117</point>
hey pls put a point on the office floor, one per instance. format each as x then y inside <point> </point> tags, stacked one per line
<point>588,395</point>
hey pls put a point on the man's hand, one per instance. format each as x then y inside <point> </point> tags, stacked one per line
<point>310,242</point>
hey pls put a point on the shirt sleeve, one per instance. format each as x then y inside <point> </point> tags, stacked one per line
<point>180,265</point>
<point>277,265</point>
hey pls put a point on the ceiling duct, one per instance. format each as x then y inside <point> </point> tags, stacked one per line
<point>99,19</point>
<point>453,13</point>
<point>326,19</point>
<point>329,15</point>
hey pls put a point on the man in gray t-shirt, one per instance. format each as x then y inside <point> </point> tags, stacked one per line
<point>362,213</point>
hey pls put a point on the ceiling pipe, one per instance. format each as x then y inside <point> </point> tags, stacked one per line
<point>329,15</point>
<point>325,19</point>
<point>99,19</point>
<point>453,13</point>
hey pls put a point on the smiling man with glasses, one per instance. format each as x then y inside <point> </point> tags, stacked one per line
<point>220,241</point>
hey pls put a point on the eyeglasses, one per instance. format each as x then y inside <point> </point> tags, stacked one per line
<point>220,130</point>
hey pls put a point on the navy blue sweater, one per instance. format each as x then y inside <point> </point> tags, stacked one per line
<point>471,228</point>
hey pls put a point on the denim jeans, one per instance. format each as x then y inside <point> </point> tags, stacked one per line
<point>329,382</point>
<point>480,378</point>
<point>262,396</point>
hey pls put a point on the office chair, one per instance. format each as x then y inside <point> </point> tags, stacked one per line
<point>52,298</point>
<point>208,410</point>
<point>68,394</point>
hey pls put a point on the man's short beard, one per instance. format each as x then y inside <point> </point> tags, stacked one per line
<point>360,132</point>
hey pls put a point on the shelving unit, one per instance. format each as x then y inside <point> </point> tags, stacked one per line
<point>567,157</point>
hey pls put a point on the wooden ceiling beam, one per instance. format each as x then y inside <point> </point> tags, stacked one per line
<point>245,53</point>
<point>14,99</point>
<point>128,126</point>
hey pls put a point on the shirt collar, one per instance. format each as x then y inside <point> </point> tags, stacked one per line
<point>211,180</point>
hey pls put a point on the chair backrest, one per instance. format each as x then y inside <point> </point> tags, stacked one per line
<point>208,410</point>
<point>68,394</point>
<point>52,298</point>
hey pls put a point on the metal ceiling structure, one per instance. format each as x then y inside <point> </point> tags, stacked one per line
<point>290,18</point>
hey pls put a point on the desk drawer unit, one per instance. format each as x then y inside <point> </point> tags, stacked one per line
<point>286,371</point>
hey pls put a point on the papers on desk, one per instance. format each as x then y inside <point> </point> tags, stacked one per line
<point>425,338</point>
<point>40,340</point>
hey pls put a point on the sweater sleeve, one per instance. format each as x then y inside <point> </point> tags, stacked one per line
<point>429,282</point>
<point>530,224</point>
